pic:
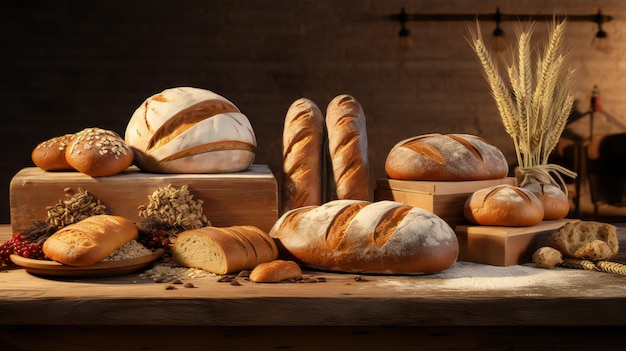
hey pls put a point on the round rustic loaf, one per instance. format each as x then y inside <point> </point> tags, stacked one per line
<point>190,130</point>
<point>98,152</point>
<point>503,205</point>
<point>383,237</point>
<point>49,155</point>
<point>554,201</point>
<point>445,157</point>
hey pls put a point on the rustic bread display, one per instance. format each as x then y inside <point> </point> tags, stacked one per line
<point>89,241</point>
<point>190,130</point>
<point>223,250</point>
<point>303,140</point>
<point>445,157</point>
<point>359,236</point>
<point>503,205</point>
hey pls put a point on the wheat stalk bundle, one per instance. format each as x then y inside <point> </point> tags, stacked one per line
<point>535,104</point>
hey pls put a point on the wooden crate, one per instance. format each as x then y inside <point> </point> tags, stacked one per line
<point>504,246</point>
<point>443,198</point>
<point>243,198</point>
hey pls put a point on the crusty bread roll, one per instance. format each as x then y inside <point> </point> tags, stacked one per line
<point>223,250</point>
<point>275,271</point>
<point>98,152</point>
<point>89,241</point>
<point>347,146</point>
<point>383,237</point>
<point>588,240</point>
<point>445,157</point>
<point>303,140</point>
<point>547,257</point>
<point>503,205</point>
<point>49,155</point>
<point>554,201</point>
<point>190,130</point>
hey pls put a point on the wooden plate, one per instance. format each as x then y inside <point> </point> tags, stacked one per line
<point>100,269</point>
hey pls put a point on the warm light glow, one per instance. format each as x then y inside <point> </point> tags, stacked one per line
<point>405,41</point>
<point>601,42</point>
<point>498,40</point>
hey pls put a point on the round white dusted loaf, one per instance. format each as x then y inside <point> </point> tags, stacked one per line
<point>384,237</point>
<point>190,130</point>
<point>445,157</point>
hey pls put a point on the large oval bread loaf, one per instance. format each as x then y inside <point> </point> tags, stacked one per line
<point>190,130</point>
<point>223,250</point>
<point>384,237</point>
<point>347,146</point>
<point>303,140</point>
<point>445,157</point>
<point>89,241</point>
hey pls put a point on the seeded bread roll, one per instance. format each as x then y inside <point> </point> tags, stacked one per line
<point>554,201</point>
<point>275,271</point>
<point>224,250</point>
<point>303,140</point>
<point>89,241</point>
<point>586,240</point>
<point>503,205</point>
<point>445,157</point>
<point>49,155</point>
<point>347,146</point>
<point>384,237</point>
<point>98,152</point>
<point>190,130</point>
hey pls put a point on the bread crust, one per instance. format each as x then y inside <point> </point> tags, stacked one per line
<point>190,130</point>
<point>411,241</point>
<point>49,155</point>
<point>90,240</point>
<point>586,240</point>
<point>554,201</point>
<point>445,157</point>
<point>240,247</point>
<point>503,205</point>
<point>348,149</point>
<point>303,140</point>
<point>275,271</point>
<point>98,152</point>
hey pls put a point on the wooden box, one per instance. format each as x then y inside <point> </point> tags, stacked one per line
<point>504,246</point>
<point>443,198</point>
<point>243,198</point>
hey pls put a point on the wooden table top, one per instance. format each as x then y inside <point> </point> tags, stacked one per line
<point>467,294</point>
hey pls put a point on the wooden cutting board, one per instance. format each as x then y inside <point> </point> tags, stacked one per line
<point>243,198</point>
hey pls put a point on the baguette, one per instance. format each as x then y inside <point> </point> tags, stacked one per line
<point>89,241</point>
<point>503,205</point>
<point>384,237</point>
<point>303,140</point>
<point>445,157</point>
<point>224,250</point>
<point>347,147</point>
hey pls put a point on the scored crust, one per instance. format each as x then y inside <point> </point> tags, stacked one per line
<point>503,205</point>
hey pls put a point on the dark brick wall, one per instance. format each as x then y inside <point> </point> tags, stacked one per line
<point>67,65</point>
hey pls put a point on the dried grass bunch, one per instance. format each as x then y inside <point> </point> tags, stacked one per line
<point>535,104</point>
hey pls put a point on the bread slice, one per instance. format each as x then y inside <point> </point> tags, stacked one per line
<point>223,250</point>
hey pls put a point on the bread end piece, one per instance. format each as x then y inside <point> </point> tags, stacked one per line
<point>589,240</point>
<point>547,257</point>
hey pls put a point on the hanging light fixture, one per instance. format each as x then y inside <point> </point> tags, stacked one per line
<point>498,39</point>
<point>601,39</point>
<point>405,40</point>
